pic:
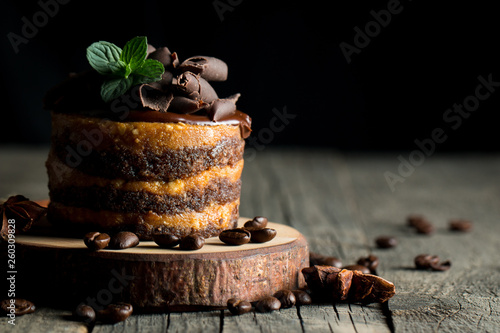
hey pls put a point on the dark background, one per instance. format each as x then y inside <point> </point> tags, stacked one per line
<point>282,55</point>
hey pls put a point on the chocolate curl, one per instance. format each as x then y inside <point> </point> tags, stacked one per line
<point>195,87</point>
<point>163,55</point>
<point>221,108</point>
<point>153,97</point>
<point>150,49</point>
<point>23,211</point>
<point>181,104</point>
<point>209,68</point>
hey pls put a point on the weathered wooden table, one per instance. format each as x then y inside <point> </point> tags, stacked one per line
<point>340,203</point>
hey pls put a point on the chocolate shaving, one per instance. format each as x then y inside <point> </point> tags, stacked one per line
<point>194,87</point>
<point>183,89</point>
<point>23,211</point>
<point>209,68</point>
<point>184,105</point>
<point>163,55</point>
<point>221,108</point>
<point>153,97</point>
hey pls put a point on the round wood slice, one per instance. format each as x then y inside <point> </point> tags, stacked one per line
<point>156,280</point>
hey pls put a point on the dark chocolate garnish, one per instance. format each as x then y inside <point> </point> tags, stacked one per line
<point>23,211</point>
<point>184,90</point>
<point>209,68</point>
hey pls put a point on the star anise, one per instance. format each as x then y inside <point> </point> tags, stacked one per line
<point>23,211</point>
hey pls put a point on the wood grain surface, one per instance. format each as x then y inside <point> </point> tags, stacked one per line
<point>341,203</point>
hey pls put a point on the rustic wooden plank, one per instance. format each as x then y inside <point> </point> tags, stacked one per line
<point>465,298</point>
<point>147,323</point>
<point>202,322</point>
<point>284,320</point>
<point>44,320</point>
<point>340,205</point>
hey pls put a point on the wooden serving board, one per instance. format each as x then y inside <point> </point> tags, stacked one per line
<point>63,270</point>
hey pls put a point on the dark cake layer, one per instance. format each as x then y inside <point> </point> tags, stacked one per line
<point>171,165</point>
<point>218,191</point>
<point>143,151</point>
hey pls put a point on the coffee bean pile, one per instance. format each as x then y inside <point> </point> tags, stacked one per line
<point>189,243</point>
<point>254,231</point>
<point>111,314</point>
<point>122,240</point>
<point>282,299</point>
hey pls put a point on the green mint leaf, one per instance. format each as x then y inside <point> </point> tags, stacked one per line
<point>119,68</point>
<point>150,71</point>
<point>114,88</point>
<point>100,54</point>
<point>134,52</point>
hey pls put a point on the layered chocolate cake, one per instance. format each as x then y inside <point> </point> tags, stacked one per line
<point>164,156</point>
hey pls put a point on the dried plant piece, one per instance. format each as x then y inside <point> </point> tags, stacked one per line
<point>24,211</point>
<point>316,277</point>
<point>361,287</point>
<point>350,285</point>
<point>381,291</point>
<point>340,284</point>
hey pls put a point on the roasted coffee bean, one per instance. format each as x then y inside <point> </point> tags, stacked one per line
<point>115,313</point>
<point>421,224</point>
<point>262,235</point>
<point>460,225</point>
<point>238,307</point>
<point>302,297</point>
<point>286,298</point>
<point>166,241</point>
<point>96,241</point>
<point>192,242</point>
<point>414,219</point>
<point>17,306</point>
<point>85,313</point>
<point>268,304</point>
<point>318,259</point>
<point>123,240</point>
<point>371,262</point>
<point>386,242</point>
<point>425,228</point>
<point>235,236</point>
<point>361,268</point>
<point>258,222</point>
<point>426,261</point>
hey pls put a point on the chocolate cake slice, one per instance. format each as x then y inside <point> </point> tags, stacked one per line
<point>165,156</point>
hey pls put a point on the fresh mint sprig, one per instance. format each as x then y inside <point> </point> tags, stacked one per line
<point>123,68</point>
